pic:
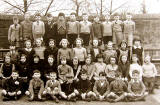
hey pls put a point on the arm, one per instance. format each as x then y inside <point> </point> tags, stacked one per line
<point>78,71</point>
<point>107,92</point>
<point>9,33</point>
<point>58,57</point>
<point>41,89</point>
<point>155,70</point>
<point>43,28</point>
<point>1,71</point>
<point>31,88</point>
<point>85,52</point>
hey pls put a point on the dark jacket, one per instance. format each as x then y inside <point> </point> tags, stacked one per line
<point>84,86</point>
<point>22,68</point>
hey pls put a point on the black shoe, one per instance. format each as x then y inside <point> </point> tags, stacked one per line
<point>6,99</point>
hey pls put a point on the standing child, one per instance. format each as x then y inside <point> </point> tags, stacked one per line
<point>107,30</point>
<point>149,74</point>
<point>101,87</point>
<point>80,51</point>
<point>36,87</point>
<point>109,52</point>
<point>38,27</point>
<point>64,51</point>
<point>85,29</point>
<point>12,87</point>
<point>14,32</point>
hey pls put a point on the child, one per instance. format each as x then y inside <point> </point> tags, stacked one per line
<point>7,67</point>
<point>118,89</point>
<point>36,87</point>
<point>80,51</point>
<point>138,49</point>
<point>99,66</point>
<point>27,28</point>
<point>97,29</point>
<point>111,69</point>
<point>136,88</point>
<point>53,87</point>
<point>95,50</point>
<point>85,29</point>
<point>123,67</point>
<point>72,28</point>
<point>76,67</point>
<point>101,87</point>
<point>149,74</point>
<point>134,65</point>
<point>107,30</point>
<point>117,30</point>
<point>38,27</point>
<point>51,50</point>
<point>14,32</point>
<point>109,52</point>
<point>12,87</point>
<point>64,51</point>
<point>60,28</point>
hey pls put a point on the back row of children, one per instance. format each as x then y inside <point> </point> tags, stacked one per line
<point>76,73</point>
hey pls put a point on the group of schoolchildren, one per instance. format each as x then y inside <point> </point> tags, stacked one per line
<point>74,66</point>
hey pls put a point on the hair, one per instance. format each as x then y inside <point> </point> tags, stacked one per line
<point>6,55</point>
<point>135,55</point>
<point>60,43</point>
<point>61,14</point>
<point>63,58</point>
<point>73,13</point>
<point>88,58</point>
<point>135,72</point>
<point>99,56</point>
<point>79,39</point>
<point>102,74</point>
<point>37,14</point>
<point>36,71</point>
<point>114,58</point>
<point>27,41</point>
<point>23,55</point>
<point>120,58</point>
<point>52,40</point>
<point>49,15</point>
<point>15,71</point>
<point>53,73</point>
<point>15,18</point>
<point>123,41</point>
<point>137,39</point>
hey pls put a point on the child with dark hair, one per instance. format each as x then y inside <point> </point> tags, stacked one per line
<point>136,88</point>
<point>76,67</point>
<point>118,89</point>
<point>36,87</point>
<point>12,87</point>
<point>101,87</point>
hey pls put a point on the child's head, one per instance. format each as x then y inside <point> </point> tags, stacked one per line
<point>28,43</point>
<point>135,74</point>
<point>116,17</point>
<point>137,42</point>
<point>51,42</point>
<point>79,42</point>
<point>118,75</point>
<point>64,43</point>
<point>36,74</point>
<point>38,42</point>
<point>88,60</point>
<point>63,60</point>
<point>85,16</point>
<point>27,16</point>
<point>73,16</point>
<point>147,59</point>
<point>128,16</point>
<point>95,42</point>
<point>36,58</point>
<point>7,59</point>
<point>52,75</point>
<point>124,58</point>
<point>84,76</point>
<point>110,45</point>
<point>69,78</point>
<point>23,58</point>
<point>99,58</point>
<point>102,76</point>
<point>15,74</point>
<point>15,20</point>
<point>50,59</point>
<point>49,17</point>
<point>96,19</point>
<point>107,17</point>
<point>113,60</point>
<point>38,17</point>
<point>123,45</point>
<point>61,16</point>
<point>75,61</point>
<point>134,58</point>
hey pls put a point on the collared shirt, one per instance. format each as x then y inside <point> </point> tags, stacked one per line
<point>117,26</point>
<point>107,28</point>
<point>129,26</point>
<point>85,27</point>
<point>73,27</point>
<point>149,70</point>
<point>38,27</point>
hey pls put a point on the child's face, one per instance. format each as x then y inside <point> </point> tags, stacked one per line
<point>53,76</point>
<point>38,18</point>
<point>135,76</point>
<point>70,80</point>
<point>107,17</point>
<point>64,44</point>
<point>49,18</point>
<point>95,43</point>
<point>14,75</point>
<point>36,59</point>
<point>28,44</point>
<point>50,60</point>
<point>116,18</point>
<point>51,43</point>
<point>123,45</point>
<point>36,75</point>
<point>124,59</point>
<point>96,19</point>
<point>128,17</point>
<point>100,60</point>
<point>147,59</point>
<point>78,43</point>
<point>83,76</point>
<point>23,59</point>
<point>12,47</point>
<point>61,18</point>
<point>88,61</point>
<point>137,43</point>
<point>75,61</point>
<point>38,43</point>
<point>63,62</point>
<point>85,17</point>
<point>113,60</point>
<point>102,77</point>
<point>72,17</point>
<point>110,46</point>
<point>134,59</point>
<point>27,16</point>
<point>7,59</point>
<point>15,21</point>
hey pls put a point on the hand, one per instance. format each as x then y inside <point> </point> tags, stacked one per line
<point>39,96</point>
<point>27,93</point>
<point>4,92</point>
<point>19,92</point>
<point>17,83</point>
<point>44,92</point>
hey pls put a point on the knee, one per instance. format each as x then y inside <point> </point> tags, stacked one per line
<point>27,93</point>
<point>4,92</point>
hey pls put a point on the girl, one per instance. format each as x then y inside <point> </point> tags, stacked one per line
<point>64,51</point>
<point>135,66</point>
<point>80,51</point>
<point>111,69</point>
<point>123,67</point>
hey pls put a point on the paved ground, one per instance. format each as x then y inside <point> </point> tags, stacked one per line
<point>150,100</point>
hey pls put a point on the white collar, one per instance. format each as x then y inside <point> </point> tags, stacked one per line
<point>137,47</point>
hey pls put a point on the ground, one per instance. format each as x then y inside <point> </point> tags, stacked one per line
<point>150,100</point>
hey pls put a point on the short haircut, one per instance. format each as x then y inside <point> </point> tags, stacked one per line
<point>99,56</point>
<point>52,40</point>
<point>36,71</point>
<point>23,55</point>
<point>61,14</point>
<point>37,14</point>
<point>73,13</point>
<point>84,14</point>
<point>15,71</point>
<point>102,74</point>
<point>60,43</point>
<point>136,39</point>
<point>36,56</point>
<point>49,15</point>
<point>63,58</point>
<point>28,41</point>
<point>53,73</point>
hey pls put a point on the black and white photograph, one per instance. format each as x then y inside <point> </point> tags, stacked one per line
<point>79,52</point>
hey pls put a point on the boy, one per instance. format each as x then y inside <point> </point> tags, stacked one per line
<point>73,29</point>
<point>118,89</point>
<point>14,32</point>
<point>12,87</point>
<point>27,28</point>
<point>38,27</point>
<point>85,29</point>
<point>107,30</point>
<point>53,87</point>
<point>101,87</point>
<point>149,74</point>
<point>136,88</point>
<point>36,87</point>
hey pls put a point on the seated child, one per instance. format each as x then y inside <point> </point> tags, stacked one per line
<point>36,87</point>
<point>149,74</point>
<point>101,87</point>
<point>118,89</point>
<point>12,87</point>
<point>53,87</point>
<point>136,88</point>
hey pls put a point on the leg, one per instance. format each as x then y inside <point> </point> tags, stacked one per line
<point>121,97</point>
